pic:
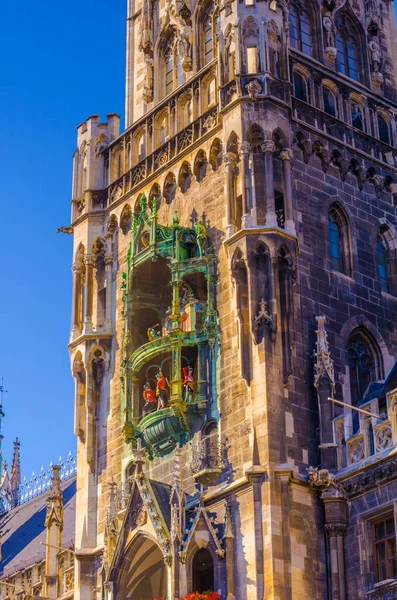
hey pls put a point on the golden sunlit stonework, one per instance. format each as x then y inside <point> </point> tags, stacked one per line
<point>234,274</point>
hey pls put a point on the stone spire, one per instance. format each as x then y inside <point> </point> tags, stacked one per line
<point>54,525</point>
<point>323,363</point>
<point>15,474</point>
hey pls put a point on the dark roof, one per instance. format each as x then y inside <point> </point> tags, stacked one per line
<point>162,491</point>
<point>23,529</point>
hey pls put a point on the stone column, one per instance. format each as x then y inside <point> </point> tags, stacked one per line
<point>286,157</point>
<point>335,517</point>
<point>336,532</point>
<point>255,476</point>
<point>245,151</point>
<point>268,148</point>
<point>76,305</point>
<point>89,262</point>
<point>230,160</point>
<point>228,541</point>
<point>109,291</point>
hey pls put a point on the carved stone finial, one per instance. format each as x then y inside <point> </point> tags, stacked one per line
<point>323,365</point>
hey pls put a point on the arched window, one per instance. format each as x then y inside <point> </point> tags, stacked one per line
<point>383,128</point>
<point>163,130</point>
<point>300,87</point>
<point>169,71</point>
<point>210,32</point>
<point>141,146</point>
<point>347,49</point>
<point>336,245</point>
<point>251,54</point>
<point>211,93</point>
<point>357,116</point>
<point>362,371</point>
<point>300,30</point>
<point>329,101</point>
<point>172,65</point>
<point>203,571</point>
<point>381,254</point>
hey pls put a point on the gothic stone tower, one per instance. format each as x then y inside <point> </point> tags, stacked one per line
<point>234,267</point>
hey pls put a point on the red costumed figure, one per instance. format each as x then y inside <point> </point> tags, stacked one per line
<point>189,383</point>
<point>161,389</point>
<point>149,396</point>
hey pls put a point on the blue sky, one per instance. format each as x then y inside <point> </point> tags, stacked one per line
<point>61,62</point>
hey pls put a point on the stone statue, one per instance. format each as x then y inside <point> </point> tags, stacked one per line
<point>329,27</point>
<point>162,384</point>
<point>149,395</point>
<point>189,383</point>
<point>376,58</point>
<point>148,84</point>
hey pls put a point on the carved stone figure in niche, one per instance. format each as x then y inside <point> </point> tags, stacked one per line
<point>376,57</point>
<point>329,28</point>
<point>201,236</point>
<point>189,383</point>
<point>149,395</point>
<point>148,83</point>
<point>152,333</point>
<point>146,46</point>
<point>162,385</point>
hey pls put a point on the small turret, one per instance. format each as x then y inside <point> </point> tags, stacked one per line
<point>54,525</point>
<point>15,474</point>
<point>89,165</point>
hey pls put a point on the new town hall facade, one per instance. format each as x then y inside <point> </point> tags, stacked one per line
<point>234,268</point>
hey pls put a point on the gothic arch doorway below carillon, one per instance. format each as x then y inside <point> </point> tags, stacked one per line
<point>143,573</point>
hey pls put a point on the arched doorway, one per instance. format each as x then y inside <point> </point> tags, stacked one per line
<point>203,571</point>
<point>143,574</point>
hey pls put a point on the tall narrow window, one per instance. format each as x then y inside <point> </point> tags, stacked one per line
<point>244,325</point>
<point>383,128</point>
<point>385,549</point>
<point>300,30</point>
<point>142,147</point>
<point>381,253</point>
<point>329,102</point>
<point>335,233</point>
<point>357,117</point>
<point>347,49</point>
<point>252,60</point>
<point>208,41</point>
<point>361,370</point>
<point>300,88</point>
<point>169,72</point>
<point>211,93</point>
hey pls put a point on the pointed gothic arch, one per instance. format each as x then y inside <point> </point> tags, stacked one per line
<point>142,572</point>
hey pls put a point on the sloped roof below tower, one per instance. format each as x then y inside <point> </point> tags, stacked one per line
<point>23,530</point>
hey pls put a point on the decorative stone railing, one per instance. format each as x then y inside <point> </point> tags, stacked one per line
<point>68,581</point>
<point>30,488</point>
<point>372,438</point>
<point>344,132</point>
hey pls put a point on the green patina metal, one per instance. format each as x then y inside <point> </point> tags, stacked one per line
<point>160,261</point>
